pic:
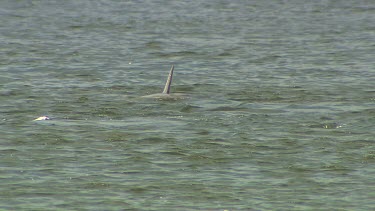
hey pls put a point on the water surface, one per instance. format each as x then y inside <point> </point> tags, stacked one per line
<point>279,115</point>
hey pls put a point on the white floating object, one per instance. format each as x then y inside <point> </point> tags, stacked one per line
<point>42,118</point>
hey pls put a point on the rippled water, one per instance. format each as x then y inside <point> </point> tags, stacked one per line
<point>279,113</point>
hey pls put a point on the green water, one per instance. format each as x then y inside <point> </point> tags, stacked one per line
<point>278,115</point>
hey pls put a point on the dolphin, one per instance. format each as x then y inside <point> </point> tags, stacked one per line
<point>167,87</point>
<point>166,94</point>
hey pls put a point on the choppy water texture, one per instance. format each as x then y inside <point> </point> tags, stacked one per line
<point>279,114</point>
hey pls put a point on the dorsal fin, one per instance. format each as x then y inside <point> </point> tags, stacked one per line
<point>167,87</point>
